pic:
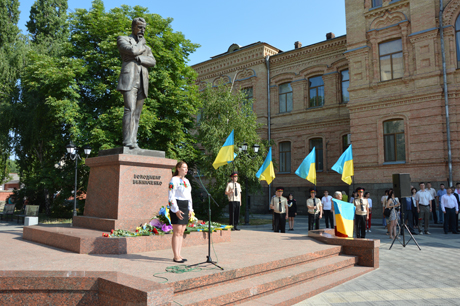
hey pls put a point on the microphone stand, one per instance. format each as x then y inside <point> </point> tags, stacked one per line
<point>208,258</point>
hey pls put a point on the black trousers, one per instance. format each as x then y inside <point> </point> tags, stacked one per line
<point>410,220</point>
<point>328,217</point>
<point>234,213</point>
<point>280,222</point>
<point>415,215</point>
<point>433,210</point>
<point>360,222</point>
<point>313,219</point>
<point>449,220</point>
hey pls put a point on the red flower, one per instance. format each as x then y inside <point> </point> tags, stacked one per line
<point>103,234</point>
<point>203,223</point>
<point>155,231</point>
<point>111,232</point>
<point>137,231</point>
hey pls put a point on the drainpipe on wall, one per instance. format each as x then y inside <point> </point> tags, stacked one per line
<point>446,96</point>
<point>267,63</point>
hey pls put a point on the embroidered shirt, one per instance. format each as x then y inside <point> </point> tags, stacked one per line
<point>180,189</point>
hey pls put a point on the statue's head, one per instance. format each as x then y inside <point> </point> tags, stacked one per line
<point>138,27</point>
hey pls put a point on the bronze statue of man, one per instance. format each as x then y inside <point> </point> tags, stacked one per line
<point>133,82</point>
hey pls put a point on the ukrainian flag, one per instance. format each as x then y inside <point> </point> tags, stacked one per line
<point>226,154</point>
<point>267,171</point>
<point>307,169</point>
<point>344,166</point>
<point>344,214</point>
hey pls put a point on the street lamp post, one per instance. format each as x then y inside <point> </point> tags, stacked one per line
<point>73,154</point>
<point>244,149</point>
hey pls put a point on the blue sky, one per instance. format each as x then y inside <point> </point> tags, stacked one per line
<point>215,25</point>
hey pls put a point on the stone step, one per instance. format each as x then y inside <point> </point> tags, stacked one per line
<point>232,275</point>
<point>231,292</point>
<point>304,290</point>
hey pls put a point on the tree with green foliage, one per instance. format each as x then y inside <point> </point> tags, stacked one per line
<point>69,95</point>
<point>11,61</point>
<point>48,21</point>
<point>225,110</point>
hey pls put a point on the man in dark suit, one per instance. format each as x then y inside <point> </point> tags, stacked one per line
<point>133,82</point>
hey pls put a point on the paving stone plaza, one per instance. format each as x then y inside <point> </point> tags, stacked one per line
<point>406,276</point>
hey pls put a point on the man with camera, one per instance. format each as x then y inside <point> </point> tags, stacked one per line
<point>315,210</point>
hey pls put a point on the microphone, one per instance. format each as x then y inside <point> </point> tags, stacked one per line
<point>362,206</point>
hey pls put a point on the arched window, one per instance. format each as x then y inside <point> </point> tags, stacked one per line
<point>285,157</point>
<point>394,140</point>
<point>317,143</point>
<point>457,36</point>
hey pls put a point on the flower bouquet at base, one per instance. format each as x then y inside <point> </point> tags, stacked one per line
<point>158,225</point>
<point>201,226</point>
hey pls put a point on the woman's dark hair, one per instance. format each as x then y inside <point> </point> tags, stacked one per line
<point>390,193</point>
<point>386,192</point>
<point>178,165</point>
<point>367,192</point>
<point>413,189</point>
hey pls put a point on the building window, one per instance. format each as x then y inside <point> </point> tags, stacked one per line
<point>345,84</point>
<point>346,141</point>
<point>316,86</point>
<point>391,60</point>
<point>285,97</point>
<point>376,3</point>
<point>285,157</point>
<point>457,36</point>
<point>317,143</point>
<point>394,141</point>
<point>248,92</point>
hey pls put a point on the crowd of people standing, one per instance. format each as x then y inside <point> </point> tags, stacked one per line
<point>425,203</point>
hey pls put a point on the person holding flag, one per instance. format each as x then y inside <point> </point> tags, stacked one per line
<point>233,192</point>
<point>362,213</point>
<point>315,210</point>
<point>279,204</point>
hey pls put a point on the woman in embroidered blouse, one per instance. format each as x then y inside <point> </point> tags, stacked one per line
<point>180,201</point>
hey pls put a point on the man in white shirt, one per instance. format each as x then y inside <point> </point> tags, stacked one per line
<point>233,192</point>
<point>328,210</point>
<point>449,206</point>
<point>423,198</point>
<point>433,202</point>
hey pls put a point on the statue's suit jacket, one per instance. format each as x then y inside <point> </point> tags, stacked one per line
<point>131,69</point>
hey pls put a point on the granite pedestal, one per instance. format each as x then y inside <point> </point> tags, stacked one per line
<point>125,190</point>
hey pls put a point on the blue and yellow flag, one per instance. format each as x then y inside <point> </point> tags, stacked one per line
<point>344,214</point>
<point>267,171</point>
<point>307,169</point>
<point>344,166</point>
<point>226,153</point>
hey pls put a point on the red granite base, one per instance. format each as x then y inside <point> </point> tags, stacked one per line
<point>87,241</point>
<point>103,224</point>
<point>80,288</point>
<point>367,250</point>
